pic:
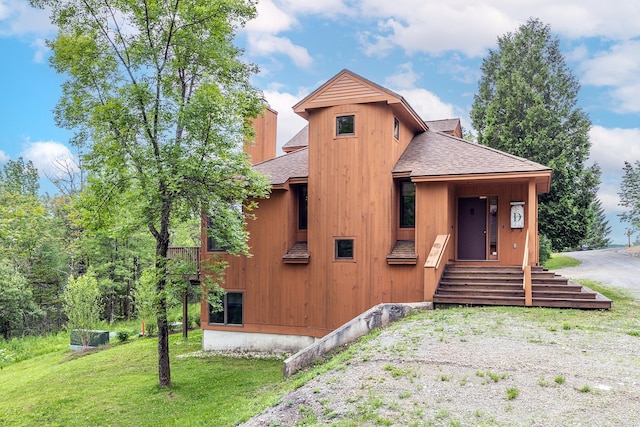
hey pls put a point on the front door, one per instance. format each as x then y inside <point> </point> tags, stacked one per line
<point>472,228</point>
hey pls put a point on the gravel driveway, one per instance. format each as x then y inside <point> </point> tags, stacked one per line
<point>615,267</point>
<point>487,366</point>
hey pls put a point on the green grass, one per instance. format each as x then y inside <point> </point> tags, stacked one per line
<point>560,261</point>
<point>118,387</point>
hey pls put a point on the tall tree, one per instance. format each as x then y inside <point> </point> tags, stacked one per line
<point>526,106</point>
<point>599,229</point>
<point>20,177</point>
<point>160,100</point>
<point>630,195</point>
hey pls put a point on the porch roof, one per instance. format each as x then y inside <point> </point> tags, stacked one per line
<point>434,154</point>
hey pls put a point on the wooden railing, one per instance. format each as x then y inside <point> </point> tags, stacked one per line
<point>432,272</point>
<point>526,270</point>
<point>190,256</point>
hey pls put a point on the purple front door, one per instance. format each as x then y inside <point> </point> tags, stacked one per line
<point>472,228</point>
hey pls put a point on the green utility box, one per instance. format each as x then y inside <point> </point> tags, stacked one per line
<point>96,338</point>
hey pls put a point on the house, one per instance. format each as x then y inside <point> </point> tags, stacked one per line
<point>369,204</point>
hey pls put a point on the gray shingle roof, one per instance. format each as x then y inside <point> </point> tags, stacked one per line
<point>444,125</point>
<point>437,154</point>
<point>281,169</point>
<point>299,140</point>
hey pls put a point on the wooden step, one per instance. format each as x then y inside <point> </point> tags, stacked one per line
<point>478,285</point>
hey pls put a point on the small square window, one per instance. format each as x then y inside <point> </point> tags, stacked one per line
<point>396,128</point>
<point>344,248</point>
<point>345,125</point>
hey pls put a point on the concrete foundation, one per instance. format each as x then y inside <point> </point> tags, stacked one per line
<point>249,341</point>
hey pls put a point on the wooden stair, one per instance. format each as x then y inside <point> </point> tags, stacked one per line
<point>466,285</point>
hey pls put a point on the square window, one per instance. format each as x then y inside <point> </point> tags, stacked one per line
<point>345,125</point>
<point>344,248</point>
<point>232,310</point>
<point>396,128</point>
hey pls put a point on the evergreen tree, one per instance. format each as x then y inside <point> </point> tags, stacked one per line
<point>599,229</point>
<point>630,195</point>
<point>526,106</point>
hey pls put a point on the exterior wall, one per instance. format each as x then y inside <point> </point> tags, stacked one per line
<point>251,341</point>
<point>352,195</point>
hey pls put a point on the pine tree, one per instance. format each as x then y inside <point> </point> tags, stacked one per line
<point>630,195</point>
<point>526,106</point>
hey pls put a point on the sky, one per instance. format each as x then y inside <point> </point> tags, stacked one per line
<point>428,51</point>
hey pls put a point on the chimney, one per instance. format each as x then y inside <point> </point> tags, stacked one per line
<point>264,143</point>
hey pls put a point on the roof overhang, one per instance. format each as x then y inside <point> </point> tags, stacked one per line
<point>541,178</point>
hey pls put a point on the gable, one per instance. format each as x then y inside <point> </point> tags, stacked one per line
<point>349,88</point>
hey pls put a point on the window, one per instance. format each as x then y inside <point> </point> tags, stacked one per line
<point>396,128</point>
<point>213,245</point>
<point>344,249</point>
<point>231,313</point>
<point>407,204</point>
<point>345,125</point>
<point>302,207</point>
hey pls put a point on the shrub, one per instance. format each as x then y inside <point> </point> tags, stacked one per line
<point>123,335</point>
<point>544,249</point>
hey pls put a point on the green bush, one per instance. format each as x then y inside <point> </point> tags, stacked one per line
<point>123,335</point>
<point>544,249</point>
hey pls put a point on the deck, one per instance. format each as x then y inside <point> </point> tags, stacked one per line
<point>461,285</point>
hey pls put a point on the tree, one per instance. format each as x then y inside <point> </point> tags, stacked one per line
<point>82,305</point>
<point>599,229</point>
<point>630,195</point>
<point>526,106</point>
<point>20,177</point>
<point>161,103</point>
<point>16,301</point>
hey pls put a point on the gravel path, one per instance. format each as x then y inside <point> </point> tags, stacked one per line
<point>482,367</point>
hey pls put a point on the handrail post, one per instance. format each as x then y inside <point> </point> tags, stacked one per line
<point>526,270</point>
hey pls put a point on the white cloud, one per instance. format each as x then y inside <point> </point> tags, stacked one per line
<point>427,104</point>
<point>618,68</point>
<point>289,123</point>
<point>270,19</point>
<point>4,157</point>
<point>611,147</point>
<point>51,158</point>
<point>18,18</point>
<point>404,77</point>
<point>266,44</point>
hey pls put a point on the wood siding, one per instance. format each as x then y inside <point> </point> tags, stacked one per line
<point>263,147</point>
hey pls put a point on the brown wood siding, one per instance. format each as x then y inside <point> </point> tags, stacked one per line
<point>348,89</point>
<point>263,146</point>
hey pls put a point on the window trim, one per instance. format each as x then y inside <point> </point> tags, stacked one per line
<point>336,241</point>
<point>225,311</point>
<point>337,126</point>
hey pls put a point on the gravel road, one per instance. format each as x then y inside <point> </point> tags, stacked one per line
<point>615,267</point>
<point>487,366</point>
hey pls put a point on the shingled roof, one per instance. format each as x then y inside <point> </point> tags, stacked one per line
<point>299,140</point>
<point>432,154</point>
<point>444,125</point>
<point>283,168</point>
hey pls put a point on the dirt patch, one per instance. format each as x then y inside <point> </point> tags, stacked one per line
<point>476,367</point>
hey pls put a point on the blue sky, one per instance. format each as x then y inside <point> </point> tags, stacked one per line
<point>428,51</point>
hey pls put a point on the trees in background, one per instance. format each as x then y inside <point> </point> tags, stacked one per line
<point>526,106</point>
<point>81,301</point>
<point>630,195</point>
<point>160,101</point>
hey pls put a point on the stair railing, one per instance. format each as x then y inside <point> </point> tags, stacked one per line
<point>526,270</point>
<point>432,270</point>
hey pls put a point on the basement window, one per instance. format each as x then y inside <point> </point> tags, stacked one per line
<point>232,310</point>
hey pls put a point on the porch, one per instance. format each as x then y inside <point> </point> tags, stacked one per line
<point>495,285</point>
